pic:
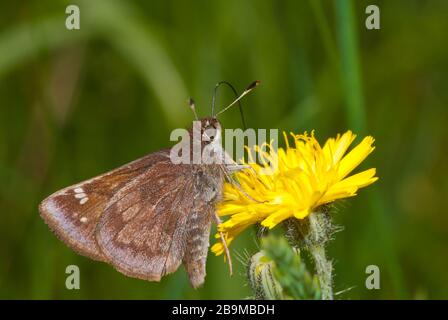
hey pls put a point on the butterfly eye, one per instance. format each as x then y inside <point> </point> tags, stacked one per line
<point>209,133</point>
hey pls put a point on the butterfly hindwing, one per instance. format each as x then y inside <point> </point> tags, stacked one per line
<point>143,231</point>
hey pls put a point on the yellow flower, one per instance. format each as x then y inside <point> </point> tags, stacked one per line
<point>303,177</point>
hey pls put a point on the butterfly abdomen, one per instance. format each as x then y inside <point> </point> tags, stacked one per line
<point>197,245</point>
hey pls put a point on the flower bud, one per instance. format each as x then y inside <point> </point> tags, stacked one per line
<point>262,279</point>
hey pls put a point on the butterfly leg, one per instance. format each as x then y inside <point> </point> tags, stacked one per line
<point>224,243</point>
<point>237,184</point>
<point>237,167</point>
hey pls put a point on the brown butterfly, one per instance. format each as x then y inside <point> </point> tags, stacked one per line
<point>149,216</point>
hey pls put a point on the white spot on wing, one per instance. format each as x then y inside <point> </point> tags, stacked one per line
<point>80,194</point>
<point>83,219</point>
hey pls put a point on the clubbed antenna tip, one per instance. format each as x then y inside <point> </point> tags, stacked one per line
<point>248,89</point>
<point>253,85</point>
<point>192,106</point>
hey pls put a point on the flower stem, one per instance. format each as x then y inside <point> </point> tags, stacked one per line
<point>324,270</point>
<point>319,230</point>
<point>313,233</point>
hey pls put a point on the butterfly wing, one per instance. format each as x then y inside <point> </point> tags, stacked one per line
<point>143,232</point>
<point>144,218</point>
<point>73,213</point>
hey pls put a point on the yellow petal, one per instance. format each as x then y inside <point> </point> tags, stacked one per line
<point>275,218</point>
<point>359,180</point>
<point>226,209</point>
<point>335,194</point>
<point>302,213</point>
<point>349,186</point>
<point>342,144</point>
<point>218,248</point>
<point>355,157</point>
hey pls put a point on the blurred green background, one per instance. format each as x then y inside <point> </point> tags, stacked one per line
<point>77,103</point>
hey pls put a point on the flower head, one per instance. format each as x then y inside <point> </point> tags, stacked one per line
<point>304,177</point>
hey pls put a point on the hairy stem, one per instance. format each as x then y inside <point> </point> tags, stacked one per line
<point>324,270</point>
<point>324,267</point>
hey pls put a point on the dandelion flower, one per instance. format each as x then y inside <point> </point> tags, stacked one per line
<point>304,177</point>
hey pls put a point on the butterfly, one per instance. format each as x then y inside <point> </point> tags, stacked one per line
<point>147,217</point>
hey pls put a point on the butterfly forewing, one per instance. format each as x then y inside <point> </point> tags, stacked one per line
<point>73,213</point>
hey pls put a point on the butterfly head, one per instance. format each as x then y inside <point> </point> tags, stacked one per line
<point>211,130</point>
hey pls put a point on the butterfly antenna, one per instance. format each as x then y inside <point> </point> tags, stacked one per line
<point>215,93</point>
<point>252,86</point>
<point>193,107</point>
